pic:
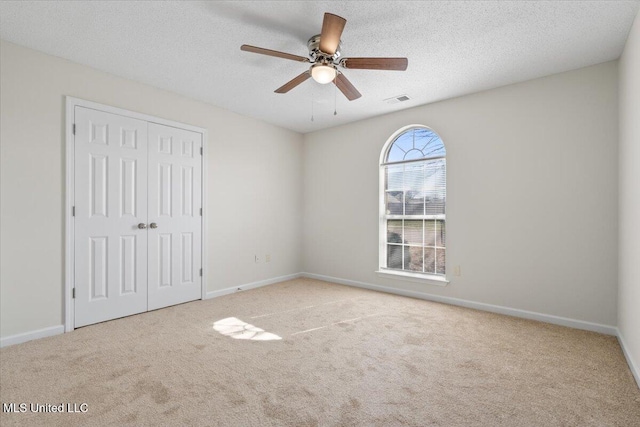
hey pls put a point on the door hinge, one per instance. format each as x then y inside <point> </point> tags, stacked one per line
<point>73,293</point>
<point>200,272</point>
<point>200,211</point>
<point>201,151</point>
<point>73,211</point>
<point>74,128</point>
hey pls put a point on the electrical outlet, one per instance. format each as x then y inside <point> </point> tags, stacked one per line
<point>267,258</point>
<point>456,271</point>
<point>257,259</point>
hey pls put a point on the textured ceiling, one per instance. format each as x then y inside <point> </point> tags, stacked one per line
<point>193,48</point>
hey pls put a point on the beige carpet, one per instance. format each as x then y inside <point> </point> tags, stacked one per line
<point>347,357</point>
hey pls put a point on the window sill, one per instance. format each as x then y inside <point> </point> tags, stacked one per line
<point>414,277</point>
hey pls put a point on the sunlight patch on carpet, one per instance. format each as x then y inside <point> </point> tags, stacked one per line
<point>237,329</point>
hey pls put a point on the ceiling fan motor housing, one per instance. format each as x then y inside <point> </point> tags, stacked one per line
<point>319,56</point>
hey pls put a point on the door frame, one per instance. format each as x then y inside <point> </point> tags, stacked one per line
<point>69,279</point>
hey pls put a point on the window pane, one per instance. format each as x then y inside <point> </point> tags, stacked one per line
<point>440,234</point>
<point>429,260</point>
<point>413,203</point>
<point>394,231</point>
<point>429,233</point>
<point>394,177</point>
<point>413,231</point>
<point>405,141</point>
<point>406,256</point>
<point>435,185</point>
<point>435,206</point>
<point>414,261</point>
<point>440,257</point>
<point>394,256</point>
<point>394,202</point>
<point>414,186</point>
<point>429,143</point>
<point>414,176</point>
<point>395,154</point>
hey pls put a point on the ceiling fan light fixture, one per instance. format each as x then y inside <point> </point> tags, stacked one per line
<point>323,74</point>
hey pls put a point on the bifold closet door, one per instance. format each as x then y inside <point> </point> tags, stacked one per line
<point>110,202</point>
<point>175,221</point>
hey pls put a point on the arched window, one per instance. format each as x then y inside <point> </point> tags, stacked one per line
<point>413,203</point>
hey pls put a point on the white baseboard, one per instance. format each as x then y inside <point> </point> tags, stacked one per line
<point>33,335</point>
<point>252,285</point>
<point>632,364</point>
<point>548,318</point>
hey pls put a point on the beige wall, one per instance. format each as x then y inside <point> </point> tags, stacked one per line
<point>253,202</point>
<point>629,240</point>
<point>532,195</point>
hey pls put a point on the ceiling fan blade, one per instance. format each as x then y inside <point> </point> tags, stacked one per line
<point>293,83</point>
<point>332,27</point>
<point>399,64</point>
<point>269,52</point>
<point>346,87</point>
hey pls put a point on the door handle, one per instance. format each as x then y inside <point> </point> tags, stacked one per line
<point>142,226</point>
<point>153,225</point>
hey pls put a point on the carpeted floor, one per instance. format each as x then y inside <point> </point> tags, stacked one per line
<point>346,357</point>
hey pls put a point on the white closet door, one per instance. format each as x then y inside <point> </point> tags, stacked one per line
<point>175,199</point>
<point>110,202</point>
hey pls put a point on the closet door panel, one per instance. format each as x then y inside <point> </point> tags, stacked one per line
<point>175,199</point>
<point>110,162</point>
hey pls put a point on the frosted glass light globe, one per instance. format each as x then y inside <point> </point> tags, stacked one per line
<point>323,74</point>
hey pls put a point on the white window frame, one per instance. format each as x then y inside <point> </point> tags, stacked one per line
<point>424,278</point>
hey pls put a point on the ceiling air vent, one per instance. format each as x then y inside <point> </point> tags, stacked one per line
<point>396,99</point>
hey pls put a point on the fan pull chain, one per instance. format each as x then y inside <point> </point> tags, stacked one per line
<point>312,93</point>
<point>335,95</point>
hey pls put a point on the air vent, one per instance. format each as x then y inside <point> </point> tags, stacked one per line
<point>396,99</point>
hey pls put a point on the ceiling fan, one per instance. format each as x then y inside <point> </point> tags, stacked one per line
<point>324,55</point>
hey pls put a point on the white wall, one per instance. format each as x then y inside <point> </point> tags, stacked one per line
<point>532,195</point>
<point>629,237</point>
<point>253,202</point>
